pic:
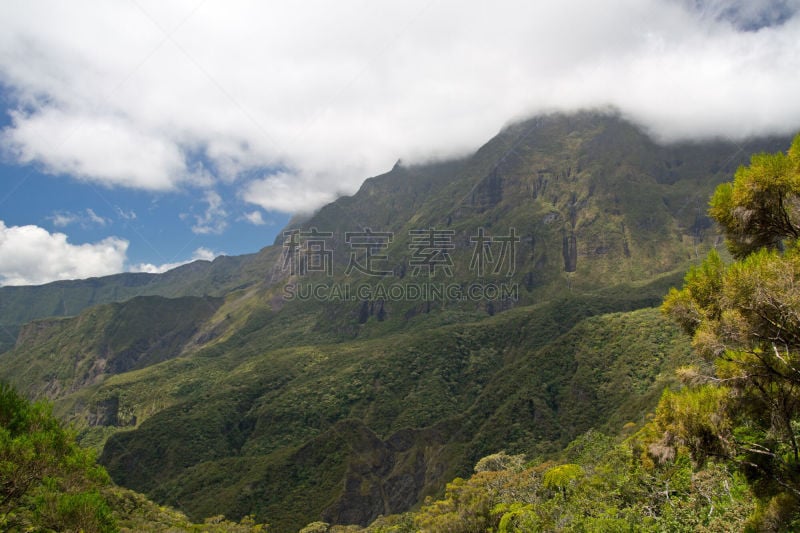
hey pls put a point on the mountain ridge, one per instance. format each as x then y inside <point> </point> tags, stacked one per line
<point>408,188</point>
<point>226,416</point>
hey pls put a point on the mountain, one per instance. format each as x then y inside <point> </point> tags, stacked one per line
<point>446,311</point>
<point>21,304</point>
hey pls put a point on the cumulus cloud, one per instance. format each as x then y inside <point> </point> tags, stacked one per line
<point>30,255</point>
<point>298,103</point>
<point>199,254</point>
<point>95,148</point>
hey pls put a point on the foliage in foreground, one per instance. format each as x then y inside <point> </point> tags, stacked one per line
<point>49,483</point>
<point>744,319</point>
<point>46,481</point>
<point>599,486</point>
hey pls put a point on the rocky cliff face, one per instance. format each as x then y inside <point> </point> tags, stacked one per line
<point>386,477</point>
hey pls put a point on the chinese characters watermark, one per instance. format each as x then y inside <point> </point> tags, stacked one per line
<point>430,256</point>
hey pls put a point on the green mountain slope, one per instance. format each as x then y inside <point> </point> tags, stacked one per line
<point>593,199</point>
<point>336,430</point>
<point>228,397</point>
<point>54,357</point>
<point>19,305</point>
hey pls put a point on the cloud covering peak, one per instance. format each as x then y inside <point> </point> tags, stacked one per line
<point>295,104</point>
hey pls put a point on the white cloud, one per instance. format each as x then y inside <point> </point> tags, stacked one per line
<point>95,148</point>
<point>86,218</point>
<point>125,215</point>
<point>30,255</point>
<point>255,218</point>
<point>200,254</point>
<point>137,94</point>
<point>288,193</point>
<point>62,220</point>
<point>214,219</point>
<point>94,218</point>
<point>204,254</point>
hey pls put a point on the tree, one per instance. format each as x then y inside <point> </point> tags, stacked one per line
<point>761,208</point>
<point>563,478</point>
<point>744,318</point>
<point>46,481</point>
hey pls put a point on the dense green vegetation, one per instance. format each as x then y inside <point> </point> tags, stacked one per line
<point>249,430</point>
<point>596,485</point>
<point>66,354</point>
<point>206,390</point>
<point>743,319</point>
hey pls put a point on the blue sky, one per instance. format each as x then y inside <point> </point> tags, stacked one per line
<point>161,228</point>
<point>140,134</point>
<point>158,226</point>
